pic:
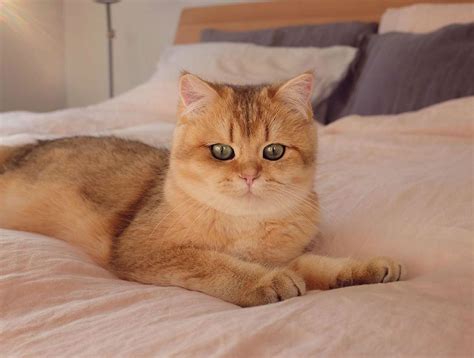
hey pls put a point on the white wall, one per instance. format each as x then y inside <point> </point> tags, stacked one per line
<point>143,28</point>
<point>85,52</point>
<point>53,53</point>
<point>31,55</point>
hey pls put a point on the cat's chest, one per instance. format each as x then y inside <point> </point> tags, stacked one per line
<point>272,242</point>
<point>266,241</point>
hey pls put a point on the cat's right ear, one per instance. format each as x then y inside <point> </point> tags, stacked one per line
<point>195,94</point>
<point>297,92</point>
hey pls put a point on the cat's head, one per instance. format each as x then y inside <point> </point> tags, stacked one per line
<point>245,150</point>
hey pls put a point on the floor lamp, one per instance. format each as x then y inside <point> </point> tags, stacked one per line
<point>110,37</point>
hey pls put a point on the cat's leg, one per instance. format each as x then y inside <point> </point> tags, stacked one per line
<point>210,272</point>
<point>323,273</point>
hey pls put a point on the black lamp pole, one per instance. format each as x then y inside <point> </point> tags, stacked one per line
<point>110,37</point>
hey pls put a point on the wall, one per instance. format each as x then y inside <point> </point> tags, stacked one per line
<point>85,51</point>
<point>143,28</point>
<point>53,53</point>
<point>31,55</point>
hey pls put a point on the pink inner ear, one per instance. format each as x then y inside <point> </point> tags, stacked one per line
<point>299,89</point>
<point>307,88</point>
<point>188,93</point>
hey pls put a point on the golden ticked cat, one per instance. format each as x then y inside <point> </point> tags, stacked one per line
<point>229,211</point>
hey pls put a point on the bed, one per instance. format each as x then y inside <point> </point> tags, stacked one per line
<point>400,185</point>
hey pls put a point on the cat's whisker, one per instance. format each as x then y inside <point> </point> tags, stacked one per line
<point>302,201</point>
<point>324,212</point>
<point>167,215</point>
<point>196,219</point>
<point>285,208</point>
<point>194,205</point>
<point>303,198</point>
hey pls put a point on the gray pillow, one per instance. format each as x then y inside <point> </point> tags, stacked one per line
<point>325,35</point>
<point>400,72</point>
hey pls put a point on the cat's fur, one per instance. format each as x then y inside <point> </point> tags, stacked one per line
<point>185,218</point>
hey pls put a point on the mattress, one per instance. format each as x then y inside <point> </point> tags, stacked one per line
<point>399,186</point>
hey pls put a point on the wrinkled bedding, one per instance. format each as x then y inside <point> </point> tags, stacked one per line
<point>389,185</point>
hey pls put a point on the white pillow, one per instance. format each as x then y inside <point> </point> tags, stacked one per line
<point>424,18</point>
<point>235,64</point>
<point>247,64</point>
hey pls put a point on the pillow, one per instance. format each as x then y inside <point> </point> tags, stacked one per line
<point>246,64</point>
<point>400,72</point>
<point>424,18</point>
<point>343,34</point>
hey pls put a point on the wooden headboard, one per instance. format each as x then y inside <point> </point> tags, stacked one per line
<point>259,15</point>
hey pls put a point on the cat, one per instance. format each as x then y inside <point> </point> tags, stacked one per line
<point>229,211</point>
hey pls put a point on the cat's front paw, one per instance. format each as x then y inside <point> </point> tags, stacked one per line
<point>273,287</point>
<point>376,270</point>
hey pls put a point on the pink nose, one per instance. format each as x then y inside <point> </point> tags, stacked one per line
<point>249,179</point>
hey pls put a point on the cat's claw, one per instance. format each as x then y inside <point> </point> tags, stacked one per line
<point>376,270</point>
<point>383,270</point>
<point>274,287</point>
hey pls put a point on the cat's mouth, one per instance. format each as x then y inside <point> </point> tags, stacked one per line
<point>246,193</point>
<point>250,194</point>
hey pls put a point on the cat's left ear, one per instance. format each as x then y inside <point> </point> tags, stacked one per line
<point>195,93</point>
<point>297,92</point>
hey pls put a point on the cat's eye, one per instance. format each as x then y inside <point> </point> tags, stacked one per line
<point>273,151</point>
<point>222,151</point>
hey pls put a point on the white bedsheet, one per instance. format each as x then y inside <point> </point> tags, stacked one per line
<point>390,185</point>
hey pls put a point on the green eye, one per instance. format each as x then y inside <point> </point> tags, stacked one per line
<point>273,151</point>
<point>222,151</point>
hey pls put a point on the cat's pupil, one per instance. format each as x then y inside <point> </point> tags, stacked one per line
<point>273,151</point>
<point>222,151</point>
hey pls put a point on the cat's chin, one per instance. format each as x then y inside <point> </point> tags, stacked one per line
<point>243,205</point>
<point>248,206</point>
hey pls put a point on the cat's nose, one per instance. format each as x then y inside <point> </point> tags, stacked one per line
<point>249,178</point>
